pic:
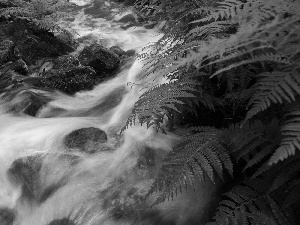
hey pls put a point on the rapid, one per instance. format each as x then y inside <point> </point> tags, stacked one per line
<point>104,188</point>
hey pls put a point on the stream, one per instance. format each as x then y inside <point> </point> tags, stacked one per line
<point>106,187</point>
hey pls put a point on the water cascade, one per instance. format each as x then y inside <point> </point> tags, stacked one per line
<point>44,182</point>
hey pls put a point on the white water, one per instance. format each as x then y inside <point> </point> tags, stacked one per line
<point>106,107</point>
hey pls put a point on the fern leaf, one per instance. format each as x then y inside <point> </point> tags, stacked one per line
<point>291,136</point>
<point>195,156</point>
<point>247,204</point>
<point>274,88</point>
<point>153,105</point>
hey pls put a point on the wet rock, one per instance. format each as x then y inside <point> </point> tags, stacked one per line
<point>99,58</point>
<point>70,82</point>
<point>64,221</point>
<point>65,63</point>
<point>32,45</point>
<point>25,172</point>
<point>117,50</point>
<point>27,102</point>
<point>146,159</point>
<point>67,37</point>
<point>7,216</point>
<point>129,18</point>
<point>18,66</point>
<point>87,140</point>
<point>130,52</point>
<point>8,51</point>
<point>10,81</point>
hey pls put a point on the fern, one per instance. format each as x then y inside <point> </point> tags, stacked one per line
<point>44,14</point>
<point>291,135</point>
<point>194,157</point>
<point>153,105</point>
<point>274,87</point>
<point>246,204</point>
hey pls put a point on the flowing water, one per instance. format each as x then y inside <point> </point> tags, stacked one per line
<point>42,182</point>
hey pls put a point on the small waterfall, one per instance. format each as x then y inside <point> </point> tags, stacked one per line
<point>42,182</point>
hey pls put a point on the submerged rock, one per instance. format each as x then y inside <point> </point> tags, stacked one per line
<point>64,221</point>
<point>70,82</point>
<point>25,172</point>
<point>8,51</point>
<point>7,216</point>
<point>27,102</point>
<point>129,18</point>
<point>100,58</point>
<point>29,44</point>
<point>18,66</point>
<point>88,140</point>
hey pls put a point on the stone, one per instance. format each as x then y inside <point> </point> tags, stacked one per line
<point>8,51</point>
<point>18,66</point>
<point>117,50</point>
<point>25,172</point>
<point>32,45</point>
<point>64,221</point>
<point>99,58</point>
<point>70,82</point>
<point>88,140</point>
<point>7,216</point>
<point>26,102</point>
<point>129,18</point>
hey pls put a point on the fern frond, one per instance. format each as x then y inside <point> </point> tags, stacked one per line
<point>44,14</point>
<point>153,105</point>
<point>291,135</point>
<point>246,204</point>
<point>194,157</point>
<point>274,87</point>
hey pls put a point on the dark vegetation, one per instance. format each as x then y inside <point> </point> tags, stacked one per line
<point>233,95</point>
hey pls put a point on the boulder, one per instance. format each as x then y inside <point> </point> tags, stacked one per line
<point>25,172</point>
<point>100,58</point>
<point>129,18</point>
<point>116,49</point>
<point>26,102</point>
<point>7,216</point>
<point>18,66</point>
<point>88,140</point>
<point>8,51</point>
<point>64,221</point>
<point>10,81</point>
<point>70,82</point>
<point>32,45</point>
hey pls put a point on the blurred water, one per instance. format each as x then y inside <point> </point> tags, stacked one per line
<point>102,188</point>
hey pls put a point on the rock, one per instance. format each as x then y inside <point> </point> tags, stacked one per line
<point>25,172</point>
<point>26,102</point>
<point>146,159</point>
<point>130,52</point>
<point>64,221</point>
<point>8,51</point>
<point>67,37</point>
<point>18,66</point>
<point>66,62</point>
<point>32,45</point>
<point>70,82</point>
<point>129,18</point>
<point>10,81</point>
<point>100,58</point>
<point>7,216</point>
<point>88,140</point>
<point>117,50</point>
